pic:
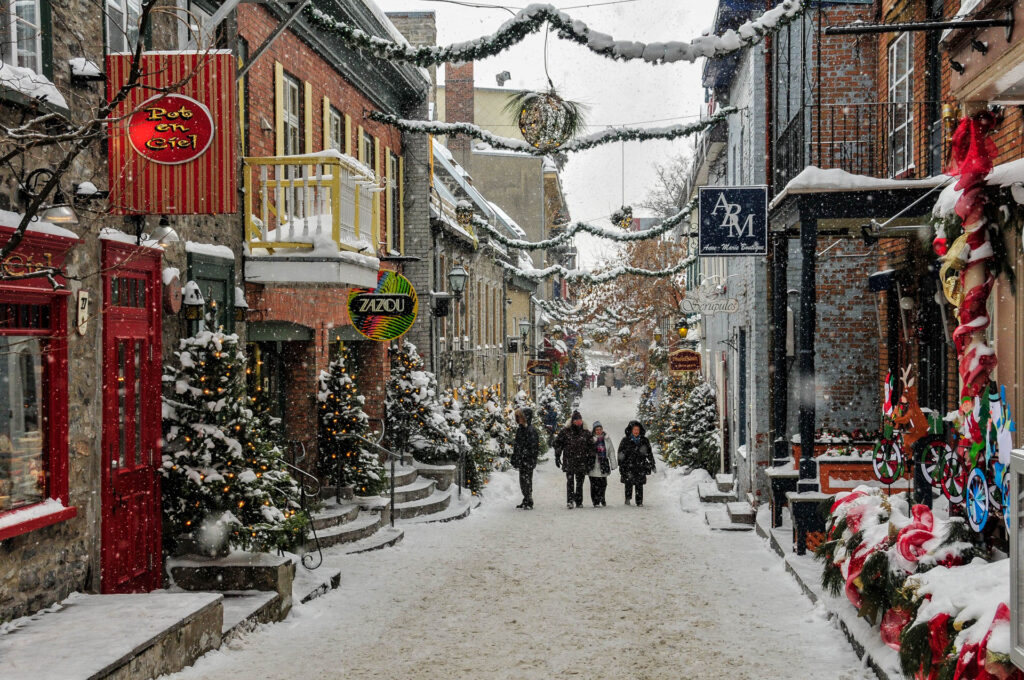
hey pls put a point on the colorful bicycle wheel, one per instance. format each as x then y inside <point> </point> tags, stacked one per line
<point>887,462</point>
<point>933,459</point>
<point>1002,473</point>
<point>977,499</point>
<point>954,478</point>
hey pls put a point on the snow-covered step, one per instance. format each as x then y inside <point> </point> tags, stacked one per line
<point>334,514</point>
<point>404,474</point>
<point>444,475</point>
<point>413,491</point>
<point>740,512</point>
<point>384,538</point>
<point>243,610</point>
<point>362,526</point>
<point>718,519</point>
<point>436,502</point>
<point>725,482</point>
<point>458,508</point>
<point>708,492</point>
<point>310,584</point>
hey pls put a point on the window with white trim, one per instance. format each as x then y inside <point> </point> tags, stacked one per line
<point>123,25</point>
<point>292,115</point>
<point>22,34</point>
<point>335,130</point>
<point>901,112</point>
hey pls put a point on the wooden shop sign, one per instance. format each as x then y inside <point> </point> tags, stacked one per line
<point>171,129</point>
<point>682,361</point>
<point>541,367</point>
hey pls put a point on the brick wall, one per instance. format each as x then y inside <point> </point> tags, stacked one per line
<point>458,96</point>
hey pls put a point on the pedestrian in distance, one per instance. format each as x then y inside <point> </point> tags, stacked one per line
<point>620,378</point>
<point>525,451</point>
<point>636,461</point>
<point>604,463</point>
<point>574,453</point>
<point>609,380</point>
<point>549,416</point>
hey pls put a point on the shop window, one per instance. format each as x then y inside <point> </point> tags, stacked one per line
<point>215,277</point>
<point>394,204</point>
<point>901,112</point>
<point>122,25</point>
<point>265,376</point>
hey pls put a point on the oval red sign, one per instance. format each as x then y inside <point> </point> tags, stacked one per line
<point>171,129</point>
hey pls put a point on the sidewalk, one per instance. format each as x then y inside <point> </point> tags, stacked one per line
<point>863,637</point>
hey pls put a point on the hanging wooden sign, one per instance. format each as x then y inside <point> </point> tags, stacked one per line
<point>683,361</point>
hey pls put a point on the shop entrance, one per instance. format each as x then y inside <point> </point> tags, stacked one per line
<point>131,551</point>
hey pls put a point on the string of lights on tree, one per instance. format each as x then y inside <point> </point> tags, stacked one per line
<point>537,17</point>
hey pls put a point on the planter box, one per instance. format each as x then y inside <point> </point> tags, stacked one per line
<point>845,473</point>
<point>821,447</point>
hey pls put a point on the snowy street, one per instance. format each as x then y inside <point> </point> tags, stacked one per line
<point>596,593</point>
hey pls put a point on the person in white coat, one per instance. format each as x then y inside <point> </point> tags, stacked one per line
<point>605,461</point>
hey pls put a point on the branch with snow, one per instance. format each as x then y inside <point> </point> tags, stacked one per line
<point>535,17</point>
<point>608,136</point>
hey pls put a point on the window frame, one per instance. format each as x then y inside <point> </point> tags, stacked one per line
<point>900,93</point>
<point>203,269</point>
<point>291,85</point>
<point>335,118</point>
<point>122,32</point>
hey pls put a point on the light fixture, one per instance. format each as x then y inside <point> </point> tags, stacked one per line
<point>464,214</point>
<point>193,301</point>
<point>457,278</point>
<point>503,78</point>
<point>906,302</point>
<point>59,212</point>
<point>164,233</point>
<point>241,306</point>
<point>658,336</point>
<point>524,328</point>
<point>956,66</point>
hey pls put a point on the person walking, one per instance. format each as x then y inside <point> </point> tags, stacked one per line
<point>620,378</point>
<point>525,450</point>
<point>609,380</point>
<point>604,463</point>
<point>549,416</point>
<point>574,453</point>
<point>636,461</point>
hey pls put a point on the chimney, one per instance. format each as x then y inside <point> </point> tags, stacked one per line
<point>458,107</point>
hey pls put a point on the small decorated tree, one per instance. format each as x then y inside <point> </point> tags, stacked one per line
<point>695,422</point>
<point>459,446</point>
<point>225,482</point>
<point>416,418</point>
<point>344,460</point>
<point>475,427</point>
<point>500,430</point>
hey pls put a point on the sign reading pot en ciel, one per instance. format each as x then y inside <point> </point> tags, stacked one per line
<point>386,312</point>
<point>733,221</point>
<point>683,361</point>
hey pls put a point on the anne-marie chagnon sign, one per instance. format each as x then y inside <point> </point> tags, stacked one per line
<point>733,221</point>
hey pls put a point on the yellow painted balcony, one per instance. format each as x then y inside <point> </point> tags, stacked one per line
<point>303,202</point>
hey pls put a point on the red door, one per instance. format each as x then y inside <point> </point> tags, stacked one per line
<point>131,552</point>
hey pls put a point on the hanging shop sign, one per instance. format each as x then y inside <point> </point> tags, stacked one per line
<point>682,361</point>
<point>708,298</point>
<point>174,153</point>
<point>386,312</point>
<point>733,221</point>
<point>541,367</point>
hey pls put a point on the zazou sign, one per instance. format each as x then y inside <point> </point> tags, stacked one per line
<point>733,221</point>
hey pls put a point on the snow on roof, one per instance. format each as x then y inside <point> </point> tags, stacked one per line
<point>31,84</point>
<point>509,222</point>
<point>814,180</point>
<point>111,234</point>
<point>80,66</point>
<point>447,162</point>
<point>549,165</point>
<point>353,164</point>
<point>13,219</point>
<point>209,249</point>
<point>1009,175</point>
<point>393,31</point>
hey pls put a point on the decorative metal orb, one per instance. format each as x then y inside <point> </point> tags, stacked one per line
<point>546,121</point>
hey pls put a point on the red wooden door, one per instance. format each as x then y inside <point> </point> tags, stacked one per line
<point>131,551</point>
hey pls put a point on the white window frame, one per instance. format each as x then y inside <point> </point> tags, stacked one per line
<point>130,12</point>
<point>335,129</point>
<point>901,94</point>
<point>11,51</point>
<point>291,113</point>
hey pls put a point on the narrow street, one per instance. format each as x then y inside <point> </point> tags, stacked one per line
<point>617,592</point>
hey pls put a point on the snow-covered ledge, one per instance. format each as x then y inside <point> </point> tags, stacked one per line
<point>815,180</point>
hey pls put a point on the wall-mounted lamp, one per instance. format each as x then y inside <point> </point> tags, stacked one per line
<point>192,301</point>
<point>524,328</point>
<point>956,66</point>
<point>457,278</point>
<point>58,212</point>
<point>164,233</point>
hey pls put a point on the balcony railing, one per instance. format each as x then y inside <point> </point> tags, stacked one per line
<point>903,140</point>
<point>294,202</point>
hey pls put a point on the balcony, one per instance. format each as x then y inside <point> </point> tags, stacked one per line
<point>877,139</point>
<point>315,208</point>
<point>709,146</point>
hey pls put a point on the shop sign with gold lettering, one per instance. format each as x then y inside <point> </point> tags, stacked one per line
<point>171,129</point>
<point>683,361</point>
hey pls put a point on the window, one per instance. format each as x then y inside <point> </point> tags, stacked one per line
<point>22,413</point>
<point>394,204</point>
<point>123,25</point>
<point>367,150</point>
<point>335,130</point>
<point>292,116</point>
<point>23,35</point>
<point>216,279</point>
<point>901,113</point>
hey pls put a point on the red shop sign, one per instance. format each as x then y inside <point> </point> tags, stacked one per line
<point>171,129</point>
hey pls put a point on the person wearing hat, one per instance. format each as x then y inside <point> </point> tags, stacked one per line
<point>525,450</point>
<point>574,453</point>
<point>604,463</point>
<point>636,461</point>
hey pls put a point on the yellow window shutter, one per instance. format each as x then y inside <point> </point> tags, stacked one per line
<point>307,111</point>
<point>325,118</point>
<point>401,205</point>
<point>348,135</point>
<point>388,229</point>
<point>359,145</point>
<point>278,109</point>
<point>376,174</point>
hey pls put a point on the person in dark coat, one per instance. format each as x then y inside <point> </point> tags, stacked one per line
<point>636,461</point>
<point>549,416</point>
<point>574,453</point>
<point>525,450</point>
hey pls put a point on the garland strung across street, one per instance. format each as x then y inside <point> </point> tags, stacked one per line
<point>608,136</point>
<point>533,19</point>
<point>580,276</point>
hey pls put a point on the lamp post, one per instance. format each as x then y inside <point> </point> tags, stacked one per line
<point>457,278</point>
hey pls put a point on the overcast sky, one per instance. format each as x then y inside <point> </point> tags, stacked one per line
<point>616,93</point>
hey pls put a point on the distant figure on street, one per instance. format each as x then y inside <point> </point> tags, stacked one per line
<point>574,453</point>
<point>609,380</point>
<point>549,416</point>
<point>525,451</point>
<point>636,461</point>
<point>620,378</point>
<point>604,463</point>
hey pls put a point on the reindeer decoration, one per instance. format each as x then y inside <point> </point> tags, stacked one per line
<point>908,415</point>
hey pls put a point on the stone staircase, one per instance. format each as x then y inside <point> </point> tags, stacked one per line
<point>727,512</point>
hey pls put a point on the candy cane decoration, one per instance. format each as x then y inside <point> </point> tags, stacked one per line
<point>973,153</point>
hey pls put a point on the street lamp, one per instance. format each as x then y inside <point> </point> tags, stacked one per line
<point>524,328</point>
<point>457,278</point>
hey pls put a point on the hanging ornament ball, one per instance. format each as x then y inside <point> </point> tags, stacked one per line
<point>939,246</point>
<point>547,121</point>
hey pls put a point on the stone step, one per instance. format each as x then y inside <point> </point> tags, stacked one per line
<point>725,482</point>
<point>244,610</point>
<point>414,491</point>
<point>329,492</point>
<point>404,474</point>
<point>444,475</point>
<point>708,492</point>
<point>312,583</point>
<point>384,538</point>
<point>718,519</point>
<point>362,526</point>
<point>740,512</point>
<point>436,502</point>
<point>333,514</point>
<point>457,509</point>
<point>244,572</point>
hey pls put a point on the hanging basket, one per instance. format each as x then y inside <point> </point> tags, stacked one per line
<point>546,120</point>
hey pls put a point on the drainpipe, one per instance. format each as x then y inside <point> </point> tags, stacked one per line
<point>808,308</point>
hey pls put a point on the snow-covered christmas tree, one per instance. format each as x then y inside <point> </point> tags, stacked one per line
<point>415,416</point>
<point>343,459</point>
<point>224,480</point>
<point>460,448</point>
<point>695,440</point>
<point>475,419</point>
<point>500,430</point>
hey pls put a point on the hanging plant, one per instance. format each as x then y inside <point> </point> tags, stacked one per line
<point>545,119</point>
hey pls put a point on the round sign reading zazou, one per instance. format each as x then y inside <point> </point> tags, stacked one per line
<point>386,312</point>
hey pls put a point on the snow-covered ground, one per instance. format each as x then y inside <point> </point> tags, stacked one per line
<point>616,592</point>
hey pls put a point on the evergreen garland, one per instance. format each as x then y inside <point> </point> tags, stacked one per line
<point>578,275</point>
<point>225,482</point>
<point>343,459</point>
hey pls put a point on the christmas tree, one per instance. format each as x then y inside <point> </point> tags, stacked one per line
<point>459,446</point>
<point>473,405</point>
<point>344,460</point>
<point>500,430</point>
<point>225,482</point>
<point>416,417</point>
<point>695,424</point>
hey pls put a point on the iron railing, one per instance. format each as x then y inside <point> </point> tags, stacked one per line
<point>904,140</point>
